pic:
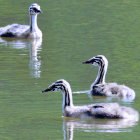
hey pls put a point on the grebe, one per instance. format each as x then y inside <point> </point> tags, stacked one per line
<point>100,88</point>
<point>98,110</point>
<point>24,31</point>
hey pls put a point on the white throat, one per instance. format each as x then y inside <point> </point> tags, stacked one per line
<point>33,23</point>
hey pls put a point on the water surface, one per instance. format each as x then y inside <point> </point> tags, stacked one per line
<point>73,31</point>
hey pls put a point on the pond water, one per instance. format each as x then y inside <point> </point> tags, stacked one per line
<point>73,31</point>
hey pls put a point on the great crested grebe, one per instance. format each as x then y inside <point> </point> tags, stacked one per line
<point>24,31</point>
<point>100,88</point>
<point>98,110</point>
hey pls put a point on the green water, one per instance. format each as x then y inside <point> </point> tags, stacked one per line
<point>73,31</point>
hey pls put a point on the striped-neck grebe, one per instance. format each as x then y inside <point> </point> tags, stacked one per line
<point>100,88</point>
<point>98,110</point>
<point>24,31</point>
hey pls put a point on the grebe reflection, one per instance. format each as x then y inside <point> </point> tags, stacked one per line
<point>31,45</point>
<point>97,125</point>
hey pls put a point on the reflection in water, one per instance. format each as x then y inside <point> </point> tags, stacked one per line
<point>111,99</point>
<point>108,99</point>
<point>14,43</point>
<point>35,63</point>
<point>96,125</point>
<point>34,46</point>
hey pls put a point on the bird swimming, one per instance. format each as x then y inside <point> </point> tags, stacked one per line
<point>98,110</point>
<point>24,31</point>
<point>100,88</point>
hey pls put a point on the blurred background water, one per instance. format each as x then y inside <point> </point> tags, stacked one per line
<point>73,31</point>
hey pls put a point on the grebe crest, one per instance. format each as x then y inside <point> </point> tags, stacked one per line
<point>59,85</point>
<point>34,9</point>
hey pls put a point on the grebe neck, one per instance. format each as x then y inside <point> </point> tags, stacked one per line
<point>100,79</point>
<point>33,23</point>
<point>67,97</point>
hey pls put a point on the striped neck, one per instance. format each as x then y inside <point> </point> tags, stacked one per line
<point>67,96</point>
<point>100,79</point>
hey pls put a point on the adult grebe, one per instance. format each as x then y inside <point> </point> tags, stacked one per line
<point>98,110</point>
<point>24,31</point>
<point>100,88</point>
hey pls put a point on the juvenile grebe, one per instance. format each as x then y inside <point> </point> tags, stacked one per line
<point>98,110</point>
<point>100,88</point>
<point>24,31</point>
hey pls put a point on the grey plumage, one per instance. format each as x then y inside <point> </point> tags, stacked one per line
<point>24,31</point>
<point>100,88</point>
<point>98,110</point>
<point>14,30</point>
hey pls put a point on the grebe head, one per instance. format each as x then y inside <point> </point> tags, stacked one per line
<point>97,60</point>
<point>34,9</point>
<point>59,85</point>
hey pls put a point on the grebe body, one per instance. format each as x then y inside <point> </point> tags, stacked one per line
<point>24,31</point>
<point>98,110</point>
<point>100,88</point>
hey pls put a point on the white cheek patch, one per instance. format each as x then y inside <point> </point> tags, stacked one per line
<point>56,90</point>
<point>95,64</point>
